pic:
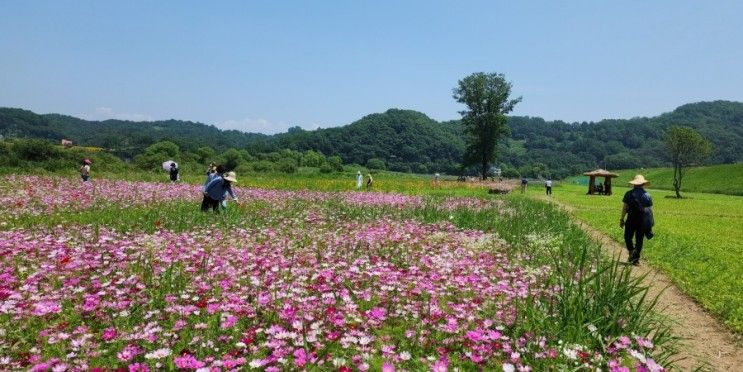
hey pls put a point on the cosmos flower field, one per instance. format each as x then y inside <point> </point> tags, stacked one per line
<point>131,276</point>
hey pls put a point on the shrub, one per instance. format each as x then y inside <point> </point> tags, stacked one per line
<point>326,168</point>
<point>264,166</point>
<point>336,163</point>
<point>376,163</point>
<point>286,165</point>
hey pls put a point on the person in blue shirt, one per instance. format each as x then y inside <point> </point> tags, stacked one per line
<point>637,207</point>
<point>216,190</point>
<point>211,173</point>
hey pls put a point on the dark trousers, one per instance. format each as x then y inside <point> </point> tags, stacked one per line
<point>633,229</point>
<point>209,203</point>
<point>549,190</point>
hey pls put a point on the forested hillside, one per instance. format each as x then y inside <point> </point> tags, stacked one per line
<point>410,141</point>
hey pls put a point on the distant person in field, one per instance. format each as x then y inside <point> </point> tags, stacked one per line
<point>216,191</point>
<point>174,176</point>
<point>637,208</point>
<point>548,186</point>
<point>600,188</point>
<point>369,181</point>
<point>524,184</point>
<point>85,170</point>
<point>359,180</point>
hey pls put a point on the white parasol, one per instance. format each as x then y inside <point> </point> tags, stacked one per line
<point>166,164</point>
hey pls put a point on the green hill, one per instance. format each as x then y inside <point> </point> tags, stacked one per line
<point>716,179</point>
<point>409,141</point>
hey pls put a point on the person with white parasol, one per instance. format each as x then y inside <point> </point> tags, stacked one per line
<point>172,167</point>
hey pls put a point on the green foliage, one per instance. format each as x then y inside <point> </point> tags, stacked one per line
<point>287,165</point>
<point>326,168</point>
<point>686,147</point>
<point>155,154</point>
<point>34,155</point>
<point>404,139</point>
<point>313,158</point>
<point>264,166</point>
<point>487,99</point>
<point>205,154</point>
<point>335,162</point>
<point>36,150</point>
<point>231,159</point>
<point>376,163</point>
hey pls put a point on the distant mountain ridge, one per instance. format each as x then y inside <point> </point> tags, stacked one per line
<point>407,140</point>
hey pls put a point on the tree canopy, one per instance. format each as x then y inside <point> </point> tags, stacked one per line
<point>487,99</point>
<point>685,147</point>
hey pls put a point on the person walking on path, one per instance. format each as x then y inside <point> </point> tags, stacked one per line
<point>359,180</point>
<point>369,181</point>
<point>637,207</point>
<point>216,190</point>
<point>524,184</point>
<point>548,186</point>
<point>85,170</point>
<point>174,176</point>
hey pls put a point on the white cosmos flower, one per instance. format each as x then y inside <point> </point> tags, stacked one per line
<point>158,354</point>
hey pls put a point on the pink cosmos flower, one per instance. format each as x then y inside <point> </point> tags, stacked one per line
<point>138,367</point>
<point>47,307</point>
<point>388,367</point>
<point>229,322</point>
<point>441,365</point>
<point>109,334</point>
<point>188,361</point>
<point>300,358</point>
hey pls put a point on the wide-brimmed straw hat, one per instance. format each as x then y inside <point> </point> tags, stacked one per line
<point>639,180</point>
<point>230,176</point>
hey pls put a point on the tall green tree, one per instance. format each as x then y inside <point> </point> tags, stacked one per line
<point>685,147</point>
<point>487,99</point>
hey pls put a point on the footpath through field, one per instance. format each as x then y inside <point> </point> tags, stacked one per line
<point>706,342</point>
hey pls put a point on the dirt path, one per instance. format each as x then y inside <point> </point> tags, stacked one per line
<point>706,342</point>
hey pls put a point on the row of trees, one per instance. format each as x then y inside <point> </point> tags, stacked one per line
<point>487,97</point>
<point>38,153</point>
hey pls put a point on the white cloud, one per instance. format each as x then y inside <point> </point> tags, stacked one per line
<point>105,113</point>
<point>259,125</point>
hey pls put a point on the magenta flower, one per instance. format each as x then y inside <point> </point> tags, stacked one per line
<point>300,357</point>
<point>109,334</point>
<point>138,367</point>
<point>188,361</point>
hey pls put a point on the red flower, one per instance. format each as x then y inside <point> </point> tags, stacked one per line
<point>157,223</point>
<point>344,369</point>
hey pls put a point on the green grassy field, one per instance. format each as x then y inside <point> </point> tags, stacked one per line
<point>717,179</point>
<point>698,241</point>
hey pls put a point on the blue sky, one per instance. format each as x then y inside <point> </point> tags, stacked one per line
<point>265,66</point>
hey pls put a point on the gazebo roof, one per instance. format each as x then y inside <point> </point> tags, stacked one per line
<point>601,173</point>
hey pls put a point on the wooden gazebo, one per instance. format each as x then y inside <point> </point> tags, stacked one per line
<point>607,181</point>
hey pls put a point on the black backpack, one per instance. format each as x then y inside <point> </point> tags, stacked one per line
<point>637,208</point>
